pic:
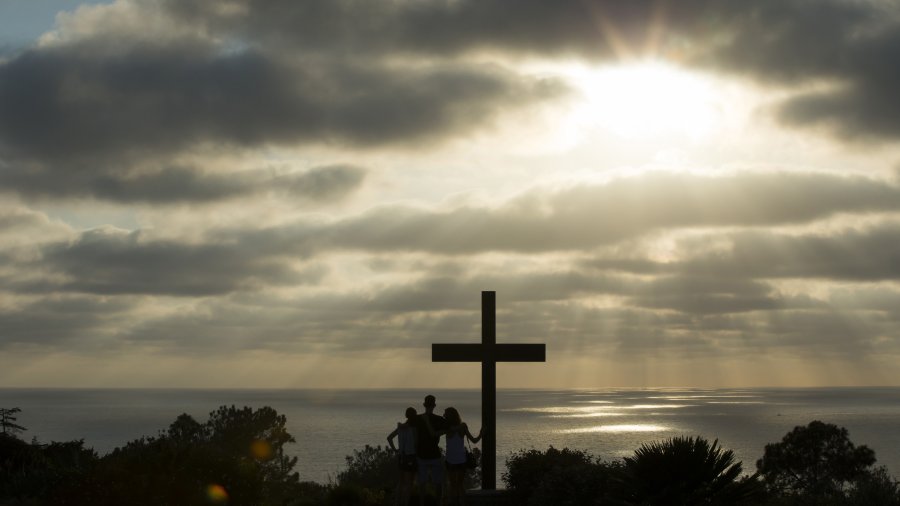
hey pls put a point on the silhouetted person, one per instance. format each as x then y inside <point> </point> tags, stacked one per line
<point>406,458</point>
<point>428,453</point>
<point>456,455</point>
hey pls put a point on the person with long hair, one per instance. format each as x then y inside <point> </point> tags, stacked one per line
<point>406,458</point>
<point>456,435</point>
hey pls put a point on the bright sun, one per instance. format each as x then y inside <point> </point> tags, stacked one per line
<point>645,100</point>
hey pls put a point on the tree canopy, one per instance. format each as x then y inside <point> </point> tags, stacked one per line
<point>818,459</point>
<point>8,422</point>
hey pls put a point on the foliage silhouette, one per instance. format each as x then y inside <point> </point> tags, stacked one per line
<point>8,422</point>
<point>235,456</point>
<point>238,453</point>
<point>817,460</point>
<point>372,473</point>
<point>35,470</point>
<point>685,471</point>
<point>559,477</point>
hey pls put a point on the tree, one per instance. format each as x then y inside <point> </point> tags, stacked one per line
<point>685,471</point>
<point>817,460</point>
<point>236,456</point>
<point>7,421</point>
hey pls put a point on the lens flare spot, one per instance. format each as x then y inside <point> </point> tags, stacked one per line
<point>216,494</point>
<point>261,449</point>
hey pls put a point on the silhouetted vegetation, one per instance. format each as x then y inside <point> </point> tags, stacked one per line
<point>680,471</point>
<point>818,463</point>
<point>371,475</point>
<point>8,423</point>
<point>561,477</point>
<point>686,471</point>
<point>690,470</point>
<point>31,471</point>
<point>237,458</point>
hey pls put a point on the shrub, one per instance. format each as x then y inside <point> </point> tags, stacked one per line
<point>373,467</point>
<point>685,471</point>
<point>559,477</point>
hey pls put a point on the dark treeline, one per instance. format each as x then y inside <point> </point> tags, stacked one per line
<point>237,458</point>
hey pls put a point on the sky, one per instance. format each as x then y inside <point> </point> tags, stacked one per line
<point>308,193</point>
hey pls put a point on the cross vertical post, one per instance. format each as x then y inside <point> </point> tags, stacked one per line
<point>488,353</point>
<point>489,391</point>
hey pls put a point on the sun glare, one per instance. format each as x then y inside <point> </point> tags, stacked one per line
<point>645,100</point>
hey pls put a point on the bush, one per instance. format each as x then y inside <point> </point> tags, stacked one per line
<point>372,473</point>
<point>373,467</point>
<point>877,487</point>
<point>559,477</point>
<point>685,471</point>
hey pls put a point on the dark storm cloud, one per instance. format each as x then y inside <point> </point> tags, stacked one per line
<point>112,262</point>
<point>182,184</point>
<point>73,107</point>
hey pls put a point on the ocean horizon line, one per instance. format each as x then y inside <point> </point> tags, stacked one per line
<point>454,389</point>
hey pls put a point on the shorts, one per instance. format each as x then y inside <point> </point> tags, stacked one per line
<point>456,467</point>
<point>434,467</point>
<point>408,463</point>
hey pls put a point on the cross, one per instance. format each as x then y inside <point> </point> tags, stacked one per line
<point>488,353</point>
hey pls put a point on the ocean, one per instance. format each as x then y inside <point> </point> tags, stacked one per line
<point>330,424</point>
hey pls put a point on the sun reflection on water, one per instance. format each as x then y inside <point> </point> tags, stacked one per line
<point>622,428</point>
<point>595,411</point>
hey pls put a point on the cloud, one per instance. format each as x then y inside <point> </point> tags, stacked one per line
<point>67,105</point>
<point>369,74</point>
<point>182,184</point>
<point>57,319</point>
<point>786,42</point>
<point>108,261</point>
<point>239,303</point>
<point>13,218</point>
<point>576,218</point>
<point>226,260</point>
<point>864,254</point>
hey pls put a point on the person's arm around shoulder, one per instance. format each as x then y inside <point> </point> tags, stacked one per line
<point>439,427</point>
<point>474,439</point>
<point>426,424</point>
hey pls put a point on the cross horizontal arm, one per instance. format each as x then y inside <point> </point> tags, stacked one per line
<point>521,353</point>
<point>496,353</point>
<point>457,352</point>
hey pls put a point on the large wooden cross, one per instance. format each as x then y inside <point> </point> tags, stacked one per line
<point>488,353</point>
